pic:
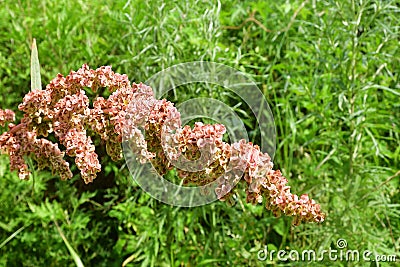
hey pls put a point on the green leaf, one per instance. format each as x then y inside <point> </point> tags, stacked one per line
<point>35,68</point>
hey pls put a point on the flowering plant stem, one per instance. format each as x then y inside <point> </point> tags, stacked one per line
<point>63,109</point>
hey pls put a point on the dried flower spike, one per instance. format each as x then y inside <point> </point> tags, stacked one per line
<point>63,109</point>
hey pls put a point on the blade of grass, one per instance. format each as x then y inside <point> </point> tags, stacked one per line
<point>74,255</point>
<point>13,235</point>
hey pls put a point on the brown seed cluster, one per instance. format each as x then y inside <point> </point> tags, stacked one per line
<point>153,131</point>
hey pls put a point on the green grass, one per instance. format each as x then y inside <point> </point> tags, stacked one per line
<point>330,71</point>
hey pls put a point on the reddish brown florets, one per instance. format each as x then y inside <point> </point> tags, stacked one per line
<point>6,116</point>
<point>152,130</point>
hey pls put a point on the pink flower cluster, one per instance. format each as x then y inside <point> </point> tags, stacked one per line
<point>20,141</point>
<point>6,116</point>
<point>152,129</point>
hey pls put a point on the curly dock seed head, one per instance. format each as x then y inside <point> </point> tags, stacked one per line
<point>63,109</point>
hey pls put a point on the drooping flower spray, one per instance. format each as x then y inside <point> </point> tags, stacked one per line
<point>63,109</point>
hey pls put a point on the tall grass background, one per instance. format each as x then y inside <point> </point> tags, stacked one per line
<point>330,71</point>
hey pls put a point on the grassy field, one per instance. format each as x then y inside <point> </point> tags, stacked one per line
<point>330,71</point>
